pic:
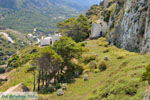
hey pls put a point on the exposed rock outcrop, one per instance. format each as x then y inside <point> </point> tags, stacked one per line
<point>18,88</point>
<point>128,23</point>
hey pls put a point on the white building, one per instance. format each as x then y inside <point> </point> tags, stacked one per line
<point>50,40</point>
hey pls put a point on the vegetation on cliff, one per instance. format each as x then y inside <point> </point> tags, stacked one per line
<point>76,28</point>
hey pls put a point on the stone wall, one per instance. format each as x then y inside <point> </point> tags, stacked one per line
<point>98,29</point>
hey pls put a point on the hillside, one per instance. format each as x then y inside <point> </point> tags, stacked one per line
<point>102,55</point>
<point>10,42</point>
<point>120,81</point>
<point>43,15</point>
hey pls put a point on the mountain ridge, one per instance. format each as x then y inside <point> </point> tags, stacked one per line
<point>28,14</point>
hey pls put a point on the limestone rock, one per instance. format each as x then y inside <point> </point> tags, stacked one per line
<point>128,23</point>
<point>64,86</point>
<point>106,58</point>
<point>85,77</point>
<point>18,88</point>
<point>60,92</point>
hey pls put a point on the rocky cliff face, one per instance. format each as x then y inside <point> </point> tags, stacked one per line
<point>128,23</point>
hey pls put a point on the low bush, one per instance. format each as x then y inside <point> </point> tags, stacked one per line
<point>106,51</point>
<point>120,57</point>
<point>131,91</point>
<point>83,44</point>
<point>1,54</point>
<point>86,71</point>
<point>47,90</point>
<point>93,64</point>
<point>96,70</point>
<point>88,58</point>
<point>146,74</point>
<point>102,66</point>
<point>2,70</point>
<point>57,86</point>
<point>103,42</point>
<point>14,61</point>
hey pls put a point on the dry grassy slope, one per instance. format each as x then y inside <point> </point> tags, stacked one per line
<point>121,80</point>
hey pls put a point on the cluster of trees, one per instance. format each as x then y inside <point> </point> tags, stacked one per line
<point>76,28</point>
<point>47,63</point>
<point>55,63</point>
<point>69,49</point>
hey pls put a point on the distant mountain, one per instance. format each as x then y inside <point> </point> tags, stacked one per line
<point>24,15</point>
<point>75,4</point>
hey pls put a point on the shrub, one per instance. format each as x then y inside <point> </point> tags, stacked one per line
<point>46,90</point>
<point>33,51</point>
<point>93,64</point>
<point>83,44</point>
<point>78,70</point>
<point>106,51</point>
<point>2,70</point>
<point>146,74</point>
<point>96,70</point>
<point>1,54</point>
<point>57,86</point>
<point>102,66</point>
<point>86,71</point>
<point>88,58</point>
<point>131,91</point>
<point>14,61</point>
<point>120,57</point>
<point>103,42</point>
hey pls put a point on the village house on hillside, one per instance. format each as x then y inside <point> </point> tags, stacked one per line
<point>49,40</point>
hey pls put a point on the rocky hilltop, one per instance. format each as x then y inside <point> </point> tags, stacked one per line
<point>128,23</point>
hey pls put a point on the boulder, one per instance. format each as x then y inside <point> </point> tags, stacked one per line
<point>106,58</point>
<point>85,77</point>
<point>18,88</point>
<point>60,92</point>
<point>64,86</point>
